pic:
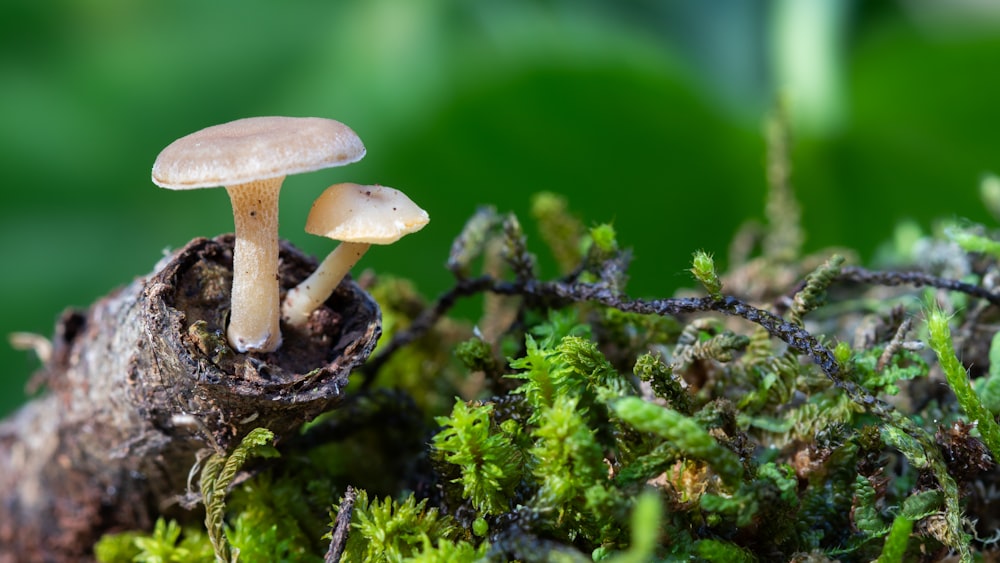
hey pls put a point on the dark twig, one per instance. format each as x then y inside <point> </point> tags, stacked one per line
<point>895,345</point>
<point>916,279</point>
<point>341,527</point>
<point>796,337</point>
<point>424,322</point>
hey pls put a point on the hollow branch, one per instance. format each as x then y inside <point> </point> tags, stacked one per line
<point>143,381</point>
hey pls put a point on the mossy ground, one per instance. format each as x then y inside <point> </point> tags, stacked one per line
<point>792,408</point>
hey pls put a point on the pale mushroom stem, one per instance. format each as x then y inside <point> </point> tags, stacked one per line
<point>304,298</point>
<point>255,307</point>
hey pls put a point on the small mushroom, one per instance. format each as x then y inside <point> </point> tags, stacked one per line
<point>358,216</point>
<point>250,158</point>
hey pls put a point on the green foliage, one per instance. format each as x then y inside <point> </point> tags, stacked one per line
<point>703,269</point>
<point>489,461</point>
<point>973,242</point>
<point>921,505</point>
<point>545,377</point>
<point>163,545</point>
<point>629,430</point>
<point>904,366</point>
<point>275,519</point>
<point>216,476</point>
<point>770,501</point>
<point>118,548</point>
<point>915,507</point>
<point>477,355</point>
<point>722,552</point>
<point>391,531</point>
<point>988,388</point>
<point>813,294</point>
<point>894,549</point>
<point>582,357</point>
<point>566,458</point>
<point>449,552</point>
<point>707,341</point>
<point>664,382</point>
<point>867,517</point>
<point>605,241</point>
<point>684,432</point>
<point>561,231</point>
<point>958,380</point>
<point>646,519</point>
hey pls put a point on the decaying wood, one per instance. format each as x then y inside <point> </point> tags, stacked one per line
<point>143,381</point>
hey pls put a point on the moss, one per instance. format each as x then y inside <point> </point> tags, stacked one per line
<point>391,530</point>
<point>703,270</point>
<point>939,336</point>
<point>489,462</point>
<point>584,424</point>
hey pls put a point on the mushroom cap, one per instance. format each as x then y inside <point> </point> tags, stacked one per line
<point>255,148</point>
<point>368,214</point>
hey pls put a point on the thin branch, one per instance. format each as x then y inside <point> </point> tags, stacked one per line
<point>916,279</point>
<point>341,527</point>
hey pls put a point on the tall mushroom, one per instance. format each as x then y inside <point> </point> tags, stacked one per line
<point>250,158</point>
<point>358,216</point>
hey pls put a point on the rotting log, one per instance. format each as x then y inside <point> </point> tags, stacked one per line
<point>143,381</point>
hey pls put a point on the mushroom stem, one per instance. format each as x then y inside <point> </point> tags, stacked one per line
<point>303,299</point>
<point>254,313</point>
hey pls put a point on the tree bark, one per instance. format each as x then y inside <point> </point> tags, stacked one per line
<point>143,381</point>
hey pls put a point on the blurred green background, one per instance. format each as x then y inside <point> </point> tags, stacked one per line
<point>646,113</point>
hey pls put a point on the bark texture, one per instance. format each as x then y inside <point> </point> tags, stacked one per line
<point>143,381</point>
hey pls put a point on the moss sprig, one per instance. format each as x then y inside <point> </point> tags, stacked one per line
<point>216,476</point>
<point>784,237</point>
<point>664,383</point>
<point>703,270</point>
<point>684,432</point>
<point>988,388</point>
<point>168,542</point>
<point>489,461</point>
<point>939,334</point>
<point>561,231</point>
<point>391,530</point>
<point>897,540</point>
<point>471,241</point>
<point>813,294</point>
<point>515,252</point>
<point>567,462</point>
<point>971,241</point>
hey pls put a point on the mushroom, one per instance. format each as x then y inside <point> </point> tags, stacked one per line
<point>250,158</point>
<point>358,216</point>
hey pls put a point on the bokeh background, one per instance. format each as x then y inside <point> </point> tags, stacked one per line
<point>647,113</point>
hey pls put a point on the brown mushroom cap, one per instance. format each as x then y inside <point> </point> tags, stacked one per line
<point>255,148</point>
<point>369,214</point>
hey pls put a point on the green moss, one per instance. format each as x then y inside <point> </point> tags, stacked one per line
<point>683,433</point>
<point>580,424</point>
<point>389,530</point>
<point>489,462</point>
<point>163,545</point>
<point>566,459</point>
<point>560,230</point>
<point>988,388</point>
<point>703,270</point>
<point>958,380</point>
